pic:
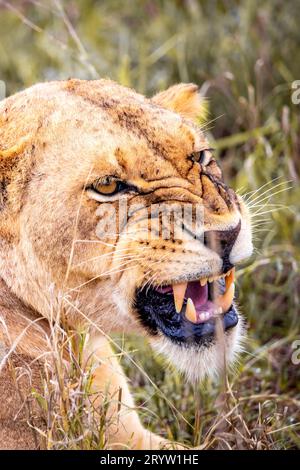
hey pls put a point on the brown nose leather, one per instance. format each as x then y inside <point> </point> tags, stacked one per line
<point>222,241</point>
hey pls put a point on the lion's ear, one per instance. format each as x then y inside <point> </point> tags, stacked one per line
<point>9,158</point>
<point>184,99</point>
<point>7,155</point>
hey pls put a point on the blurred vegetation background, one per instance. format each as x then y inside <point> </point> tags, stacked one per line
<point>244,55</point>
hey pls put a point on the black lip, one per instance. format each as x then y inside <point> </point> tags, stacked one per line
<point>157,313</point>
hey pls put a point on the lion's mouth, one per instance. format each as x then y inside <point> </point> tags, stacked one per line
<point>187,312</point>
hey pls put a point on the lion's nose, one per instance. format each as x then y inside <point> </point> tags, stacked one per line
<point>222,241</point>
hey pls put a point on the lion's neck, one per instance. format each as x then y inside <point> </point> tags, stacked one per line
<point>24,278</point>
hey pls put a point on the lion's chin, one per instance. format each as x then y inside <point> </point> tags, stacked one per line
<point>196,362</point>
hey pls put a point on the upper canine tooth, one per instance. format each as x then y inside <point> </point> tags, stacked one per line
<point>190,311</point>
<point>224,301</point>
<point>203,281</point>
<point>229,278</point>
<point>178,292</point>
<point>229,272</point>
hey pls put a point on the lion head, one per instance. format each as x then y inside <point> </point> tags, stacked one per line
<point>113,208</point>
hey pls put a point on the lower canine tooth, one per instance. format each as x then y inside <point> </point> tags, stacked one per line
<point>178,292</point>
<point>190,311</point>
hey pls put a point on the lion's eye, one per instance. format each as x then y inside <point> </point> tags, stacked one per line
<point>107,187</point>
<point>203,157</point>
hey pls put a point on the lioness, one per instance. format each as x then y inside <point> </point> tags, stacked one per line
<point>73,154</point>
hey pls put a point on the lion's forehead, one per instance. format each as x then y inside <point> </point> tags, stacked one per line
<point>117,126</point>
<point>121,111</point>
<point>103,125</point>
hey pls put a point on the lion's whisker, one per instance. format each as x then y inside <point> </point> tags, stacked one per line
<point>258,213</point>
<point>96,241</point>
<point>254,191</point>
<point>266,195</point>
<point>250,203</point>
<point>95,278</point>
<point>105,255</point>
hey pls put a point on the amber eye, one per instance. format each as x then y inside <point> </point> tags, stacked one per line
<point>109,186</point>
<point>105,187</point>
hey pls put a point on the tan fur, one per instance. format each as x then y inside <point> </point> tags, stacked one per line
<point>183,99</point>
<point>55,140</point>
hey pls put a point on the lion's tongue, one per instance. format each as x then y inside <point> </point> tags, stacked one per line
<point>198,308</point>
<point>197,293</point>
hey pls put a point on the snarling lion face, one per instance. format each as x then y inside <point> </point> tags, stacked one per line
<point>114,206</point>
